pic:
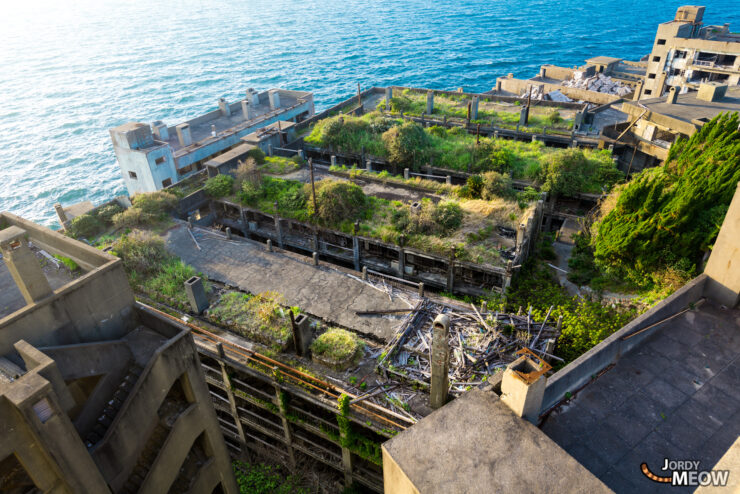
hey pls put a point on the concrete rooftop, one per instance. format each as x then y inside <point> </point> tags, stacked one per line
<point>477,444</point>
<point>676,396</point>
<point>688,107</point>
<point>11,299</point>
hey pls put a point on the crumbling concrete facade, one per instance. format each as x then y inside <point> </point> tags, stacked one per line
<point>97,392</point>
<point>153,157</point>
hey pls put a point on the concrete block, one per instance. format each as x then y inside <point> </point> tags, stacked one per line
<point>183,135</point>
<point>430,102</point>
<point>274,99</point>
<point>196,294</point>
<point>524,399</point>
<point>247,111</point>
<point>302,334</point>
<point>224,107</point>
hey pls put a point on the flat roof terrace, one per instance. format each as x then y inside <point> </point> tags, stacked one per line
<point>688,107</point>
<point>675,396</point>
<point>200,127</point>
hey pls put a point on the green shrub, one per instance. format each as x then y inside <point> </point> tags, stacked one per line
<point>256,154</point>
<point>250,192</point>
<point>141,252</point>
<point>106,213</point>
<point>71,264</point>
<point>266,479</point>
<point>158,204</point>
<point>130,218</point>
<point>337,201</point>
<point>337,345</point>
<point>448,216</point>
<point>85,225</point>
<point>407,144</point>
<point>496,185</point>
<point>219,186</point>
<point>475,185</point>
<point>554,118</point>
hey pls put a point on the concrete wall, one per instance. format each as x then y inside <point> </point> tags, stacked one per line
<point>579,372</point>
<point>93,307</point>
<point>723,267</point>
<point>394,478</point>
<point>555,72</point>
<point>518,86</point>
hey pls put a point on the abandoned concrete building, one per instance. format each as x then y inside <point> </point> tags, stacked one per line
<point>97,392</point>
<point>152,157</point>
<point>654,124</point>
<point>686,53</point>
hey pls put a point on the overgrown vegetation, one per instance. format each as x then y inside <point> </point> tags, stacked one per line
<point>91,224</point>
<point>261,317</point>
<point>69,263</point>
<point>219,186</point>
<point>337,346</point>
<point>407,144</point>
<point>279,165</point>
<point>152,270</point>
<point>148,209</point>
<point>258,478</point>
<point>655,229</point>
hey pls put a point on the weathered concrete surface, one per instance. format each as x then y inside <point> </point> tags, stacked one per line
<point>321,291</point>
<point>477,444</point>
<point>723,267</point>
<point>676,396</point>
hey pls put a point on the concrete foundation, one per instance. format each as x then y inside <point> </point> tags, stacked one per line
<point>196,294</point>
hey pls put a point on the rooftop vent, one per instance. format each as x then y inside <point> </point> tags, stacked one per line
<point>711,91</point>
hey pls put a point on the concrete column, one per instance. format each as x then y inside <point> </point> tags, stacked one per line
<point>23,265</point>
<point>183,135</point>
<point>228,233</point>
<point>401,262</point>
<point>243,221</point>
<point>474,108</point>
<point>269,150</point>
<point>448,180</point>
<point>230,394</point>
<point>302,335</point>
<point>356,252</point>
<point>430,102</point>
<point>287,430</point>
<point>224,107</point>
<point>346,461</point>
<point>523,116</point>
<point>247,110</point>
<point>333,160</point>
<point>369,165</point>
<point>406,173</point>
<point>196,294</point>
<point>388,97</point>
<point>523,396</point>
<point>440,361</point>
<point>269,245</point>
<point>534,138</point>
<point>274,99</point>
<point>61,215</point>
<point>638,91</point>
<point>315,258</point>
<point>364,273</point>
<point>278,227</point>
<point>421,289</point>
<point>451,274</point>
<point>495,134</point>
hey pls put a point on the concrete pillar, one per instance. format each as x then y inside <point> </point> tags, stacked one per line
<point>638,91</point>
<point>61,215</point>
<point>451,274</point>
<point>333,160</point>
<point>448,180</point>
<point>346,460</point>
<point>574,143</point>
<point>430,102</point>
<point>369,165</point>
<point>484,307</point>
<point>406,173</point>
<point>269,150</point>
<point>159,128</point>
<point>474,108</point>
<point>190,222</point>
<point>23,265</point>
<point>183,135</point>
<point>287,429</point>
<point>224,107</point>
<point>228,233</point>
<point>230,393</point>
<point>269,245</point>
<point>495,134</point>
<point>421,289</point>
<point>401,262</point>
<point>315,258</point>
<point>356,252</point>
<point>302,334</point>
<point>523,116</point>
<point>247,110</point>
<point>364,273</point>
<point>388,97</point>
<point>534,138</point>
<point>672,95</point>
<point>274,99</point>
<point>523,396</point>
<point>440,357</point>
<point>213,130</point>
<point>278,227</point>
<point>196,294</point>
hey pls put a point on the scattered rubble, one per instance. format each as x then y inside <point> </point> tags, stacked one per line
<point>599,83</point>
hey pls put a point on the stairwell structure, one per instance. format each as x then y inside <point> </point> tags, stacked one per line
<point>98,393</point>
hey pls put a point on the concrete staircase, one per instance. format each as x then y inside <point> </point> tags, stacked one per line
<point>113,406</point>
<point>146,459</point>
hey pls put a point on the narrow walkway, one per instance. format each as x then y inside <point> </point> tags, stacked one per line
<point>320,291</point>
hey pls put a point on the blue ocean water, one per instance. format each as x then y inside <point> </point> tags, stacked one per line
<point>69,71</point>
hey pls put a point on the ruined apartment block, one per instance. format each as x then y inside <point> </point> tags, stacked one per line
<point>98,393</point>
<point>156,156</point>
<point>687,53</point>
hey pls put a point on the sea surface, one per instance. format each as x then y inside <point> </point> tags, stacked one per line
<point>70,70</point>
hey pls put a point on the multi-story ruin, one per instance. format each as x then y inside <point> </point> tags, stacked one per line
<point>687,53</point>
<point>156,156</point>
<point>97,392</point>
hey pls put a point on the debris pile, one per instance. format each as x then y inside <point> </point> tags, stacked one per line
<point>599,83</point>
<point>480,342</point>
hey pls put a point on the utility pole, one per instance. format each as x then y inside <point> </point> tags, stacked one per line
<point>313,186</point>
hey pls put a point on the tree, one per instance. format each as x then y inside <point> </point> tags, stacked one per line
<point>407,144</point>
